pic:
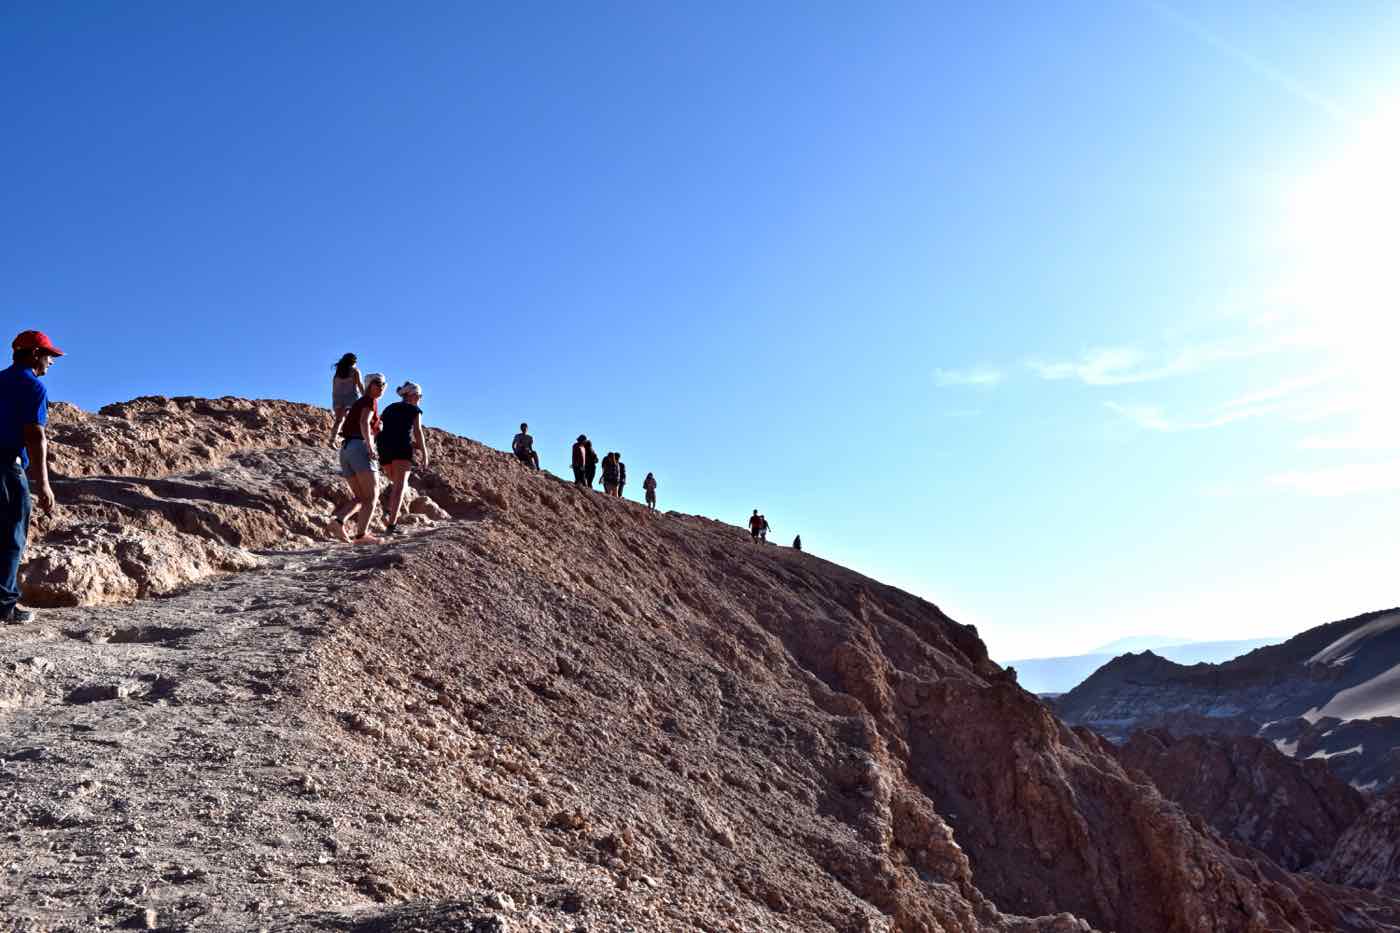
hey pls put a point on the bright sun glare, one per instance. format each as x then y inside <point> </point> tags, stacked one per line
<point>1342,240</point>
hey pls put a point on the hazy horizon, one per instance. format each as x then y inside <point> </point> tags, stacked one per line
<point>1076,321</point>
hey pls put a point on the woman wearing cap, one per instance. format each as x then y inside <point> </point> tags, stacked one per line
<point>357,462</point>
<point>346,387</point>
<point>402,432</point>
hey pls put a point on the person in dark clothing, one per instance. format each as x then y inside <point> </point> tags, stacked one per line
<point>649,484</point>
<point>24,410</point>
<point>579,459</point>
<point>610,474</point>
<point>797,543</point>
<point>524,448</point>
<point>590,462</point>
<point>400,433</point>
<point>755,525</point>
<point>763,529</point>
<point>621,473</point>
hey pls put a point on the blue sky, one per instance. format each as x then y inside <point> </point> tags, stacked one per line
<point>1076,318</point>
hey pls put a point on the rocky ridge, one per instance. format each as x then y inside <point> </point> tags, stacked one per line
<point>554,711</point>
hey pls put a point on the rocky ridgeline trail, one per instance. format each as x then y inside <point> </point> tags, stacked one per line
<point>553,711</point>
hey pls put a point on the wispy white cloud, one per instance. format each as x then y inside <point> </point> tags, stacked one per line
<point>1153,418</point>
<point>984,377</point>
<point>1349,479</point>
<point>1289,388</point>
<point>1116,366</point>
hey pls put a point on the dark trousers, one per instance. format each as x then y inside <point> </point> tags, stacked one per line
<point>14,529</point>
<point>580,477</point>
<point>590,473</point>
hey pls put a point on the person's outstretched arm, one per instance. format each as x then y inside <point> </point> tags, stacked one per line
<point>366,417</point>
<point>37,443</point>
<point>419,439</point>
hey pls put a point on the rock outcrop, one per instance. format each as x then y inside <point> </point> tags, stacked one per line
<point>557,710</point>
<point>1292,811</point>
<point>1368,854</point>
<point>156,494</point>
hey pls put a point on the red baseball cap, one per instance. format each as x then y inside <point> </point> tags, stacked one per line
<point>35,340</point>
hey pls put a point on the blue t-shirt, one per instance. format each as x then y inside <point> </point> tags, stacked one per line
<point>23,401</point>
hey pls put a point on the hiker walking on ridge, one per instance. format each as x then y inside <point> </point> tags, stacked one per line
<point>763,529</point>
<point>402,432</point>
<point>610,474</point>
<point>524,448</point>
<point>346,387</point>
<point>797,543</point>
<point>24,410</point>
<point>649,485</point>
<point>755,525</point>
<point>621,473</point>
<point>590,462</point>
<point>358,464</point>
<point>579,459</point>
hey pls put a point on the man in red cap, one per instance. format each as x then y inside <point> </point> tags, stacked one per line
<point>24,410</point>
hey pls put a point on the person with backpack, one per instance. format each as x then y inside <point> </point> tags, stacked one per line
<point>621,473</point>
<point>649,485</point>
<point>24,446</point>
<point>524,448</point>
<point>346,387</point>
<point>590,462</point>
<point>358,463</point>
<point>401,434</point>
<point>579,459</point>
<point>610,474</point>
<point>755,525</point>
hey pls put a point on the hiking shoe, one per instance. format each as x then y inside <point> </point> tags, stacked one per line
<point>18,616</point>
<point>391,529</point>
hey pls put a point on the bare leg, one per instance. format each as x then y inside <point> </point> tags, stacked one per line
<point>398,474</point>
<point>340,414</point>
<point>368,485</point>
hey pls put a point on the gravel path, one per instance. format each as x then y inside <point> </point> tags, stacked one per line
<point>148,763</point>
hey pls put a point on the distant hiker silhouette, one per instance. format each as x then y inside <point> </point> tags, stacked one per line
<point>610,474</point>
<point>358,464</point>
<point>24,411</point>
<point>621,473</point>
<point>763,529</point>
<point>402,431</point>
<point>524,448</point>
<point>649,484</point>
<point>755,525</point>
<point>346,387</point>
<point>579,459</point>
<point>797,543</point>
<point>590,462</point>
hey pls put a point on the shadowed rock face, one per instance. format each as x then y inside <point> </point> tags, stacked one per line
<point>627,720</point>
<point>1368,854</point>
<point>1292,811</point>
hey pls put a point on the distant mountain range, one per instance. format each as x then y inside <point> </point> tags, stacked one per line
<point>1331,694</point>
<point>1060,675</point>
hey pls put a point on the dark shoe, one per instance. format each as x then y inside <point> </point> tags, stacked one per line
<point>18,616</point>
<point>391,529</point>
